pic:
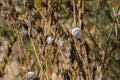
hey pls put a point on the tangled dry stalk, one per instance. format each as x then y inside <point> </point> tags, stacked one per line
<point>82,58</point>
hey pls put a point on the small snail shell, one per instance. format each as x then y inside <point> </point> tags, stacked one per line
<point>17,8</point>
<point>77,32</point>
<point>61,41</point>
<point>31,75</point>
<point>49,40</point>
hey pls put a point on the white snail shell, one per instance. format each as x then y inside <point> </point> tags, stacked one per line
<point>49,40</point>
<point>31,75</point>
<point>77,32</point>
<point>17,8</point>
<point>61,41</point>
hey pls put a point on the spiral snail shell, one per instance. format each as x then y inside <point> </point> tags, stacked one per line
<point>77,32</point>
<point>49,39</point>
<point>31,75</point>
<point>61,41</point>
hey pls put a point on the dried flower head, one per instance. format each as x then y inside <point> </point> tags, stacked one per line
<point>49,39</point>
<point>77,32</point>
<point>31,75</point>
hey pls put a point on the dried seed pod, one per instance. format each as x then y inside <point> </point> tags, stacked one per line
<point>77,32</point>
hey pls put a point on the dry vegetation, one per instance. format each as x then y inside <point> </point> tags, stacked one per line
<point>36,35</point>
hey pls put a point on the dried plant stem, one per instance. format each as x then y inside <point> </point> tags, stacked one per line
<point>38,60</point>
<point>74,14</point>
<point>63,56</point>
<point>95,25</point>
<point>95,41</point>
<point>83,6</point>
<point>96,18</point>
<point>9,63</point>
<point>19,46</point>
<point>88,74</point>
<point>25,52</point>
<point>110,33</point>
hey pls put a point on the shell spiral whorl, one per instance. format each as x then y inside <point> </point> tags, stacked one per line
<point>31,75</point>
<point>77,32</point>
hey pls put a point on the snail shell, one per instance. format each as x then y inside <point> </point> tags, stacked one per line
<point>31,75</point>
<point>49,39</point>
<point>61,41</point>
<point>77,32</point>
